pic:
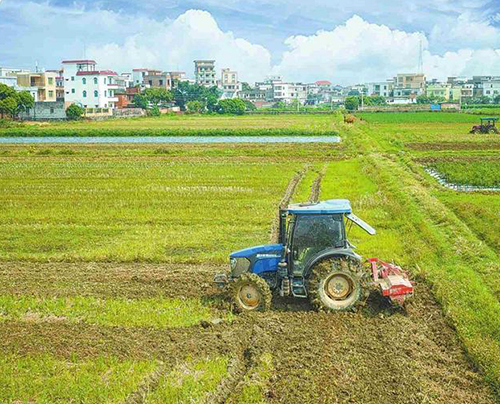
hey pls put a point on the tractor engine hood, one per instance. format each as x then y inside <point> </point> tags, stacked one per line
<point>270,249</point>
<point>259,259</point>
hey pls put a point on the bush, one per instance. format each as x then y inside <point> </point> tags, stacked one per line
<point>231,107</point>
<point>351,103</point>
<point>195,107</point>
<point>154,111</point>
<point>74,112</point>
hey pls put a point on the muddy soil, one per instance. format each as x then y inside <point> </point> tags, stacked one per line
<point>131,280</point>
<point>377,355</point>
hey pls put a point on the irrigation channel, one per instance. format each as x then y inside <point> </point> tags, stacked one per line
<point>457,187</point>
<point>174,139</point>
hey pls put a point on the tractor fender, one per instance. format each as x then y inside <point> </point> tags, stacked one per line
<point>332,253</point>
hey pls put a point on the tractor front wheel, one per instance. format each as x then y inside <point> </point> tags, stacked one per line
<point>337,284</point>
<point>251,293</point>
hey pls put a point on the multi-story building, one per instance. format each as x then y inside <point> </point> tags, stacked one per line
<point>381,88</point>
<point>289,92</point>
<point>138,75</point>
<point>491,88</point>
<point>204,72</point>
<point>44,82</point>
<point>439,90</point>
<point>229,83</point>
<point>409,85</point>
<point>86,86</point>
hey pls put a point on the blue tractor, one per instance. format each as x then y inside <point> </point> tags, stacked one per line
<point>313,259</point>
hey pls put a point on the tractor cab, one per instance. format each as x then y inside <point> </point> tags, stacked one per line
<point>310,231</point>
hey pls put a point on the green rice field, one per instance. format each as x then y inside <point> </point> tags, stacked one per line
<point>107,254</point>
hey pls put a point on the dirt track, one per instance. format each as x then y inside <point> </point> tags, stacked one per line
<point>378,355</point>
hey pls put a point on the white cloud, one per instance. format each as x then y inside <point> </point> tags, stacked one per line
<point>175,44</point>
<point>358,51</point>
<point>465,32</point>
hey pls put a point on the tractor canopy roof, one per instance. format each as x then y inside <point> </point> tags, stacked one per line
<point>490,119</point>
<point>321,208</point>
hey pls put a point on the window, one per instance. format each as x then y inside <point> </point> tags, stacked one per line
<point>150,82</point>
<point>96,93</point>
<point>52,110</point>
<point>313,234</point>
<point>95,80</point>
<point>51,81</point>
<point>84,81</point>
<point>72,91</point>
<point>72,78</point>
<point>105,93</point>
<point>84,94</point>
<point>51,94</point>
<point>161,82</point>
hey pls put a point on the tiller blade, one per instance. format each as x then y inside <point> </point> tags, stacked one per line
<point>391,280</point>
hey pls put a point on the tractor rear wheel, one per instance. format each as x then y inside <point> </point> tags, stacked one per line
<point>251,293</point>
<point>337,284</point>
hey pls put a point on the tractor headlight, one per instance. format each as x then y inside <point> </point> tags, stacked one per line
<point>239,266</point>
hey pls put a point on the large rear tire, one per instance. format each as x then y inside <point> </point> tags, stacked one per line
<point>251,293</point>
<point>337,284</point>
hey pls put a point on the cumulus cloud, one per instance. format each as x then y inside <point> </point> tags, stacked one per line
<point>355,51</point>
<point>175,44</point>
<point>359,51</point>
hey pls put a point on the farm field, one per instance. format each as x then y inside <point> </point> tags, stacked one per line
<point>188,125</point>
<point>107,255</point>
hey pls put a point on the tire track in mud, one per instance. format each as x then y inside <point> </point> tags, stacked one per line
<point>149,384</point>
<point>316,186</point>
<point>287,197</point>
<point>238,369</point>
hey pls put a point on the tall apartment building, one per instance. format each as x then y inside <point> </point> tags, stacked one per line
<point>204,72</point>
<point>409,85</point>
<point>86,86</point>
<point>44,82</point>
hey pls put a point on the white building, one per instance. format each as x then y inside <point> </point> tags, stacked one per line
<point>491,88</point>
<point>229,83</point>
<point>88,87</point>
<point>288,92</point>
<point>382,88</point>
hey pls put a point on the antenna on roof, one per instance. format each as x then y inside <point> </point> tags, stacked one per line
<point>421,58</point>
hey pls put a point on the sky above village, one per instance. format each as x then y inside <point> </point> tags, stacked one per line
<point>344,41</point>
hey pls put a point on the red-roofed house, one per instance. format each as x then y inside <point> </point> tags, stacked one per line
<point>323,83</point>
<point>88,87</point>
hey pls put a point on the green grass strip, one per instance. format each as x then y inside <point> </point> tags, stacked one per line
<point>190,382</point>
<point>154,312</point>
<point>46,380</point>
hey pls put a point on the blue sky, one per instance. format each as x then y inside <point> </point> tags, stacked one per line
<point>345,41</point>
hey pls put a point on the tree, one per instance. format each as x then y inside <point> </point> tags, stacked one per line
<point>231,107</point>
<point>140,101</point>
<point>185,92</point>
<point>245,86</point>
<point>351,103</point>
<point>157,96</point>
<point>249,105</point>
<point>13,102</point>
<point>195,107</point>
<point>25,102</point>
<point>74,112</point>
